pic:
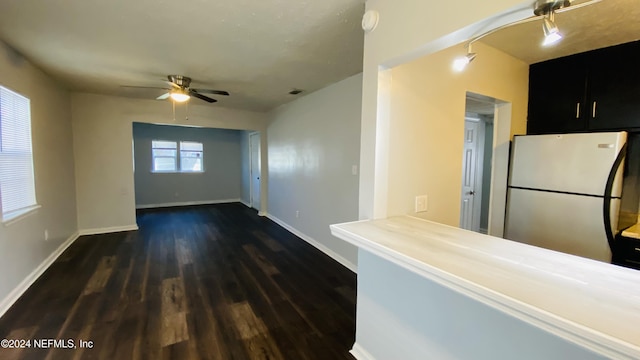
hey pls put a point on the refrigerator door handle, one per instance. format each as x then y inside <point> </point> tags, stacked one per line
<point>606,209</point>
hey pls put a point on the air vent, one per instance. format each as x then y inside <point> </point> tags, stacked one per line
<point>295,91</point>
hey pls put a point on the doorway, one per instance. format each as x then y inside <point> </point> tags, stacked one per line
<point>477,163</point>
<point>254,169</point>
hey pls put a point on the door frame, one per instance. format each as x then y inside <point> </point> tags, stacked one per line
<point>499,161</point>
<point>252,190</point>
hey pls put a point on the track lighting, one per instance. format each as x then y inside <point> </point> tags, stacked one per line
<point>461,63</point>
<point>551,33</point>
<point>545,9</point>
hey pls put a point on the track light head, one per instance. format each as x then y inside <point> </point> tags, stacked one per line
<point>551,33</point>
<point>461,63</point>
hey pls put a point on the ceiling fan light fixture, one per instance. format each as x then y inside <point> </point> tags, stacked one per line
<point>179,95</point>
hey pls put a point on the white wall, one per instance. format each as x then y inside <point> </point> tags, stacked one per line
<point>22,245</point>
<point>313,144</point>
<point>102,140</point>
<point>426,131</point>
<point>219,182</point>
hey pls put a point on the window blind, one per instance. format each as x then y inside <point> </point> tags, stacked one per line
<point>17,185</point>
<point>191,156</point>
<point>164,155</point>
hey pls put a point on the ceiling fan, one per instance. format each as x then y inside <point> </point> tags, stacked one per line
<point>180,90</point>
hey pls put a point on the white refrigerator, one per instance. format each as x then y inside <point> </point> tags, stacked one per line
<point>564,192</point>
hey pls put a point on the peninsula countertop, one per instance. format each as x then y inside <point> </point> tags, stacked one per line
<point>593,304</point>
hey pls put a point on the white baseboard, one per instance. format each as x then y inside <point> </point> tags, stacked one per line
<point>360,353</point>
<point>15,294</point>
<point>332,254</point>
<point>187,203</point>
<point>260,213</point>
<point>108,230</point>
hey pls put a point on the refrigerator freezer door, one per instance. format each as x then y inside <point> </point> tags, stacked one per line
<point>567,223</point>
<point>575,163</point>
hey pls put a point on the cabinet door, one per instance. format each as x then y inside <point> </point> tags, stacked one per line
<point>557,94</point>
<point>614,88</point>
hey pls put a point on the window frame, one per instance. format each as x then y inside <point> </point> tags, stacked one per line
<point>178,157</point>
<point>174,157</point>
<point>18,136</point>
<point>200,152</point>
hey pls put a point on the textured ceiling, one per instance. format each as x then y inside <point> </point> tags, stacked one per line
<point>602,24</point>
<point>258,50</point>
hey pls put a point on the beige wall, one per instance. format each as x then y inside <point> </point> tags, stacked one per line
<point>102,139</point>
<point>22,243</point>
<point>427,124</point>
<point>409,29</point>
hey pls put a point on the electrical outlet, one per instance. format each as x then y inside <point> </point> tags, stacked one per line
<point>421,203</point>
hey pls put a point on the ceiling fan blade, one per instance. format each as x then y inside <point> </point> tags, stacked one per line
<point>172,84</point>
<point>202,97</point>
<point>208,91</point>
<point>142,87</point>
<point>163,96</point>
<point>577,6</point>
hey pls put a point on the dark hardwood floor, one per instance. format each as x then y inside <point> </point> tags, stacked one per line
<point>210,282</point>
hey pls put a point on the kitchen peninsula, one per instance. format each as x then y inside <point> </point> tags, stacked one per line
<point>431,291</point>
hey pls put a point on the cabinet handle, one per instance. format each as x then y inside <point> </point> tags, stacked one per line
<point>593,109</point>
<point>577,110</point>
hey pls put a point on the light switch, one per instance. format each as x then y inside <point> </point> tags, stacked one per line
<point>421,203</point>
<point>354,169</point>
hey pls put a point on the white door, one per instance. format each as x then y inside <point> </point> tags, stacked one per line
<point>471,176</point>
<point>254,149</point>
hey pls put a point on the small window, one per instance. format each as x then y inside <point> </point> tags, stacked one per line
<point>17,184</point>
<point>190,156</point>
<point>164,154</point>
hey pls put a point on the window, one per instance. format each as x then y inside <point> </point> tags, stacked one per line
<point>165,156</point>
<point>190,156</point>
<point>17,185</point>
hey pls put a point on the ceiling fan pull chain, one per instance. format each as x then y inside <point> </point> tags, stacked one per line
<point>173,103</point>
<point>186,116</point>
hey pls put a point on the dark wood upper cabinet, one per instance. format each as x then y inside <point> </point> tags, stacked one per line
<point>593,91</point>
<point>614,88</point>
<point>557,93</point>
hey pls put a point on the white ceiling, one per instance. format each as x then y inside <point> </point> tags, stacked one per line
<point>601,24</point>
<point>258,50</point>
